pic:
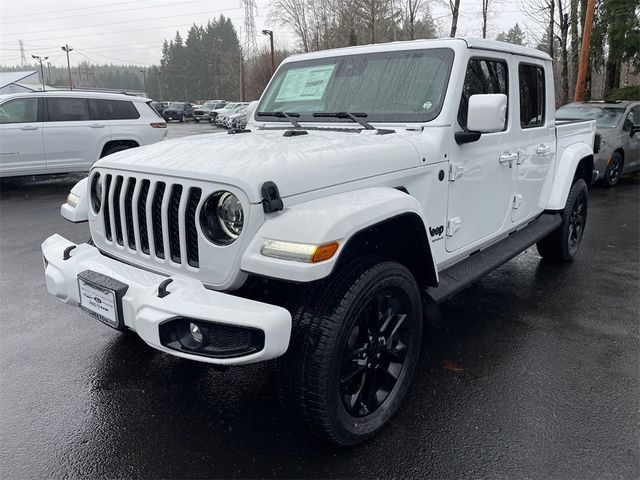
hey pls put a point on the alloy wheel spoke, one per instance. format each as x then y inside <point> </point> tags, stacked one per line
<point>354,373</point>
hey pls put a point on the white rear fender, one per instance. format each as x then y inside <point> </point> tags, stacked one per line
<point>75,209</point>
<point>319,222</point>
<point>567,165</point>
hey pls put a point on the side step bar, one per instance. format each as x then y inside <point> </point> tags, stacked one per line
<point>463,274</point>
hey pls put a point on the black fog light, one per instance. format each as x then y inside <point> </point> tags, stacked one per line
<point>210,339</point>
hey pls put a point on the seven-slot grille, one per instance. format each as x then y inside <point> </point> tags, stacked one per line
<point>152,217</point>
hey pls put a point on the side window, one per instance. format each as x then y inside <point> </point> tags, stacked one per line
<point>634,116</point>
<point>20,110</point>
<point>118,110</point>
<point>483,76</point>
<point>68,109</point>
<point>532,95</point>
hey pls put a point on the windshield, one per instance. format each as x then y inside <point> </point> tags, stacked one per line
<point>208,104</point>
<point>404,86</point>
<point>176,105</point>
<point>605,117</point>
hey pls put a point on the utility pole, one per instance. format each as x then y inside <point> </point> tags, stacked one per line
<point>41,59</point>
<point>144,78</point>
<point>584,52</point>
<point>273,57</point>
<point>242,94</point>
<point>68,49</point>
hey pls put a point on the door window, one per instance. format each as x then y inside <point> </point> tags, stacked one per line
<point>532,95</point>
<point>20,110</point>
<point>483,76</point>
<point>68,109</point>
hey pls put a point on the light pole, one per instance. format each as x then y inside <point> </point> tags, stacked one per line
<point>67,48</point>
<point>144,78</point>
<point>273,58</point>
<point>41,59</point>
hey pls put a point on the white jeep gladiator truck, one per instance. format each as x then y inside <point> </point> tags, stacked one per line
<point>369,181</point>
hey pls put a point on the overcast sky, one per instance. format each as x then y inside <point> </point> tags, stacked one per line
<point>132,32</point>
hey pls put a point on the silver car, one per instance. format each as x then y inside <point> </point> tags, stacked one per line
<point>618,124</point>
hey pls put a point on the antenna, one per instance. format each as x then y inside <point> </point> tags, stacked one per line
<point>23,57</point>
<point>250,46</point>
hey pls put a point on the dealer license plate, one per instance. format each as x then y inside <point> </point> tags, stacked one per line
<point>98,301</point>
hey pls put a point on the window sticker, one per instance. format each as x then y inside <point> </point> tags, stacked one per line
<point>305,83</point>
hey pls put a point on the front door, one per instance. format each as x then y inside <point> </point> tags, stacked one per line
<point>481,173</point>
<point>21,148</point>
<point>535,136</point>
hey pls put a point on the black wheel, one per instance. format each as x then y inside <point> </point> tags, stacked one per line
<point>115,148</point>
<point>197,120</point>
<point>354,347</point>
<point>563,243</point>
<point>614,170</point>
<point>181,119</point>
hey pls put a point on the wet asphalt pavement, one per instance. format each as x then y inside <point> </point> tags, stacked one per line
<point>535,374</point>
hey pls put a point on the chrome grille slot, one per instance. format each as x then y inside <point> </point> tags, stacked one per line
<point>156,219</point>
<point>191,232</point>
<point>128,213</point>
<point>117,217</point>
<point>174,219</point>
<point>106,209</point>
<point>142,216</point>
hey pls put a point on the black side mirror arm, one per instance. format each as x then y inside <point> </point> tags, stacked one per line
<point>466,137</point>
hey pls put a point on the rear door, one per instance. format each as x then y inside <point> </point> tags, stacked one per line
<point>480,180</point>
<point>74,134</point>
<point>535,136</point>
<point>21,145</point>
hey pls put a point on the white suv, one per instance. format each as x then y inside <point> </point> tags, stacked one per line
<point>59,132</point>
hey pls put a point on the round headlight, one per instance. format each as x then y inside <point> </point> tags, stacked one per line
<point>222,218</point>
<point>96,192</point>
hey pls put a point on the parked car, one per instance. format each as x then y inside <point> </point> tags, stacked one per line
<point>223,115</point>
<point>213,114</point>
<point>374,180</point>
<point>159,106</point>
<point>178,111</point>
<point>202,113</point>
<point>619,128</point>
<point>60,131</point>
<point>237,119</point>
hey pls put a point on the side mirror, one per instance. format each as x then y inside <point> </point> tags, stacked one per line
<point>251,108</point>
<point>487,113</point>
<point>635,129</point>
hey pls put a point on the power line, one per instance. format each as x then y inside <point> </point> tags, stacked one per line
<point>30,15</point>
<point>119,22</point>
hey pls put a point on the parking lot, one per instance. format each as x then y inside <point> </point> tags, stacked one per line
<point>533,372</point>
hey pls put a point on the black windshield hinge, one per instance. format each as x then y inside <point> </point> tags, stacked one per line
<point>271,201</point>
<point>294,133</point>
<point>234,131</point>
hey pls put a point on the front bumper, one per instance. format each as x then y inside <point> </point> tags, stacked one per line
<point>144,311</point>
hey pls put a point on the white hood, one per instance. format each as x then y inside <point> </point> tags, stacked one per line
<point>296,164</point>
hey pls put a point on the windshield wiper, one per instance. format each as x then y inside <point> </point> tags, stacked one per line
<point>286,115</point>
<point>356,117</point>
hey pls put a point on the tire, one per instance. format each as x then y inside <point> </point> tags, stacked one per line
<point>197,120</point>
<point>334,357</point>
<point>614,170</point>
<point>181,119</point>
<point>116,148</point>
<point>563,243</point>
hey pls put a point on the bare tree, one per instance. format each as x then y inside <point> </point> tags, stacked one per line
<point>292,13</point>
<point>575,44</point>
<point>410,13</point>
<point>454,5</point>
<point>485,12</point>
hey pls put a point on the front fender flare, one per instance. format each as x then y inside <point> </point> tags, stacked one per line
<point>336,218</point>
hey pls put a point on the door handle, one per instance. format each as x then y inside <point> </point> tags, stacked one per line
<point>543,150</point>
<point>29,127</point>
<point>508,158</point>
<point>96,125</point>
